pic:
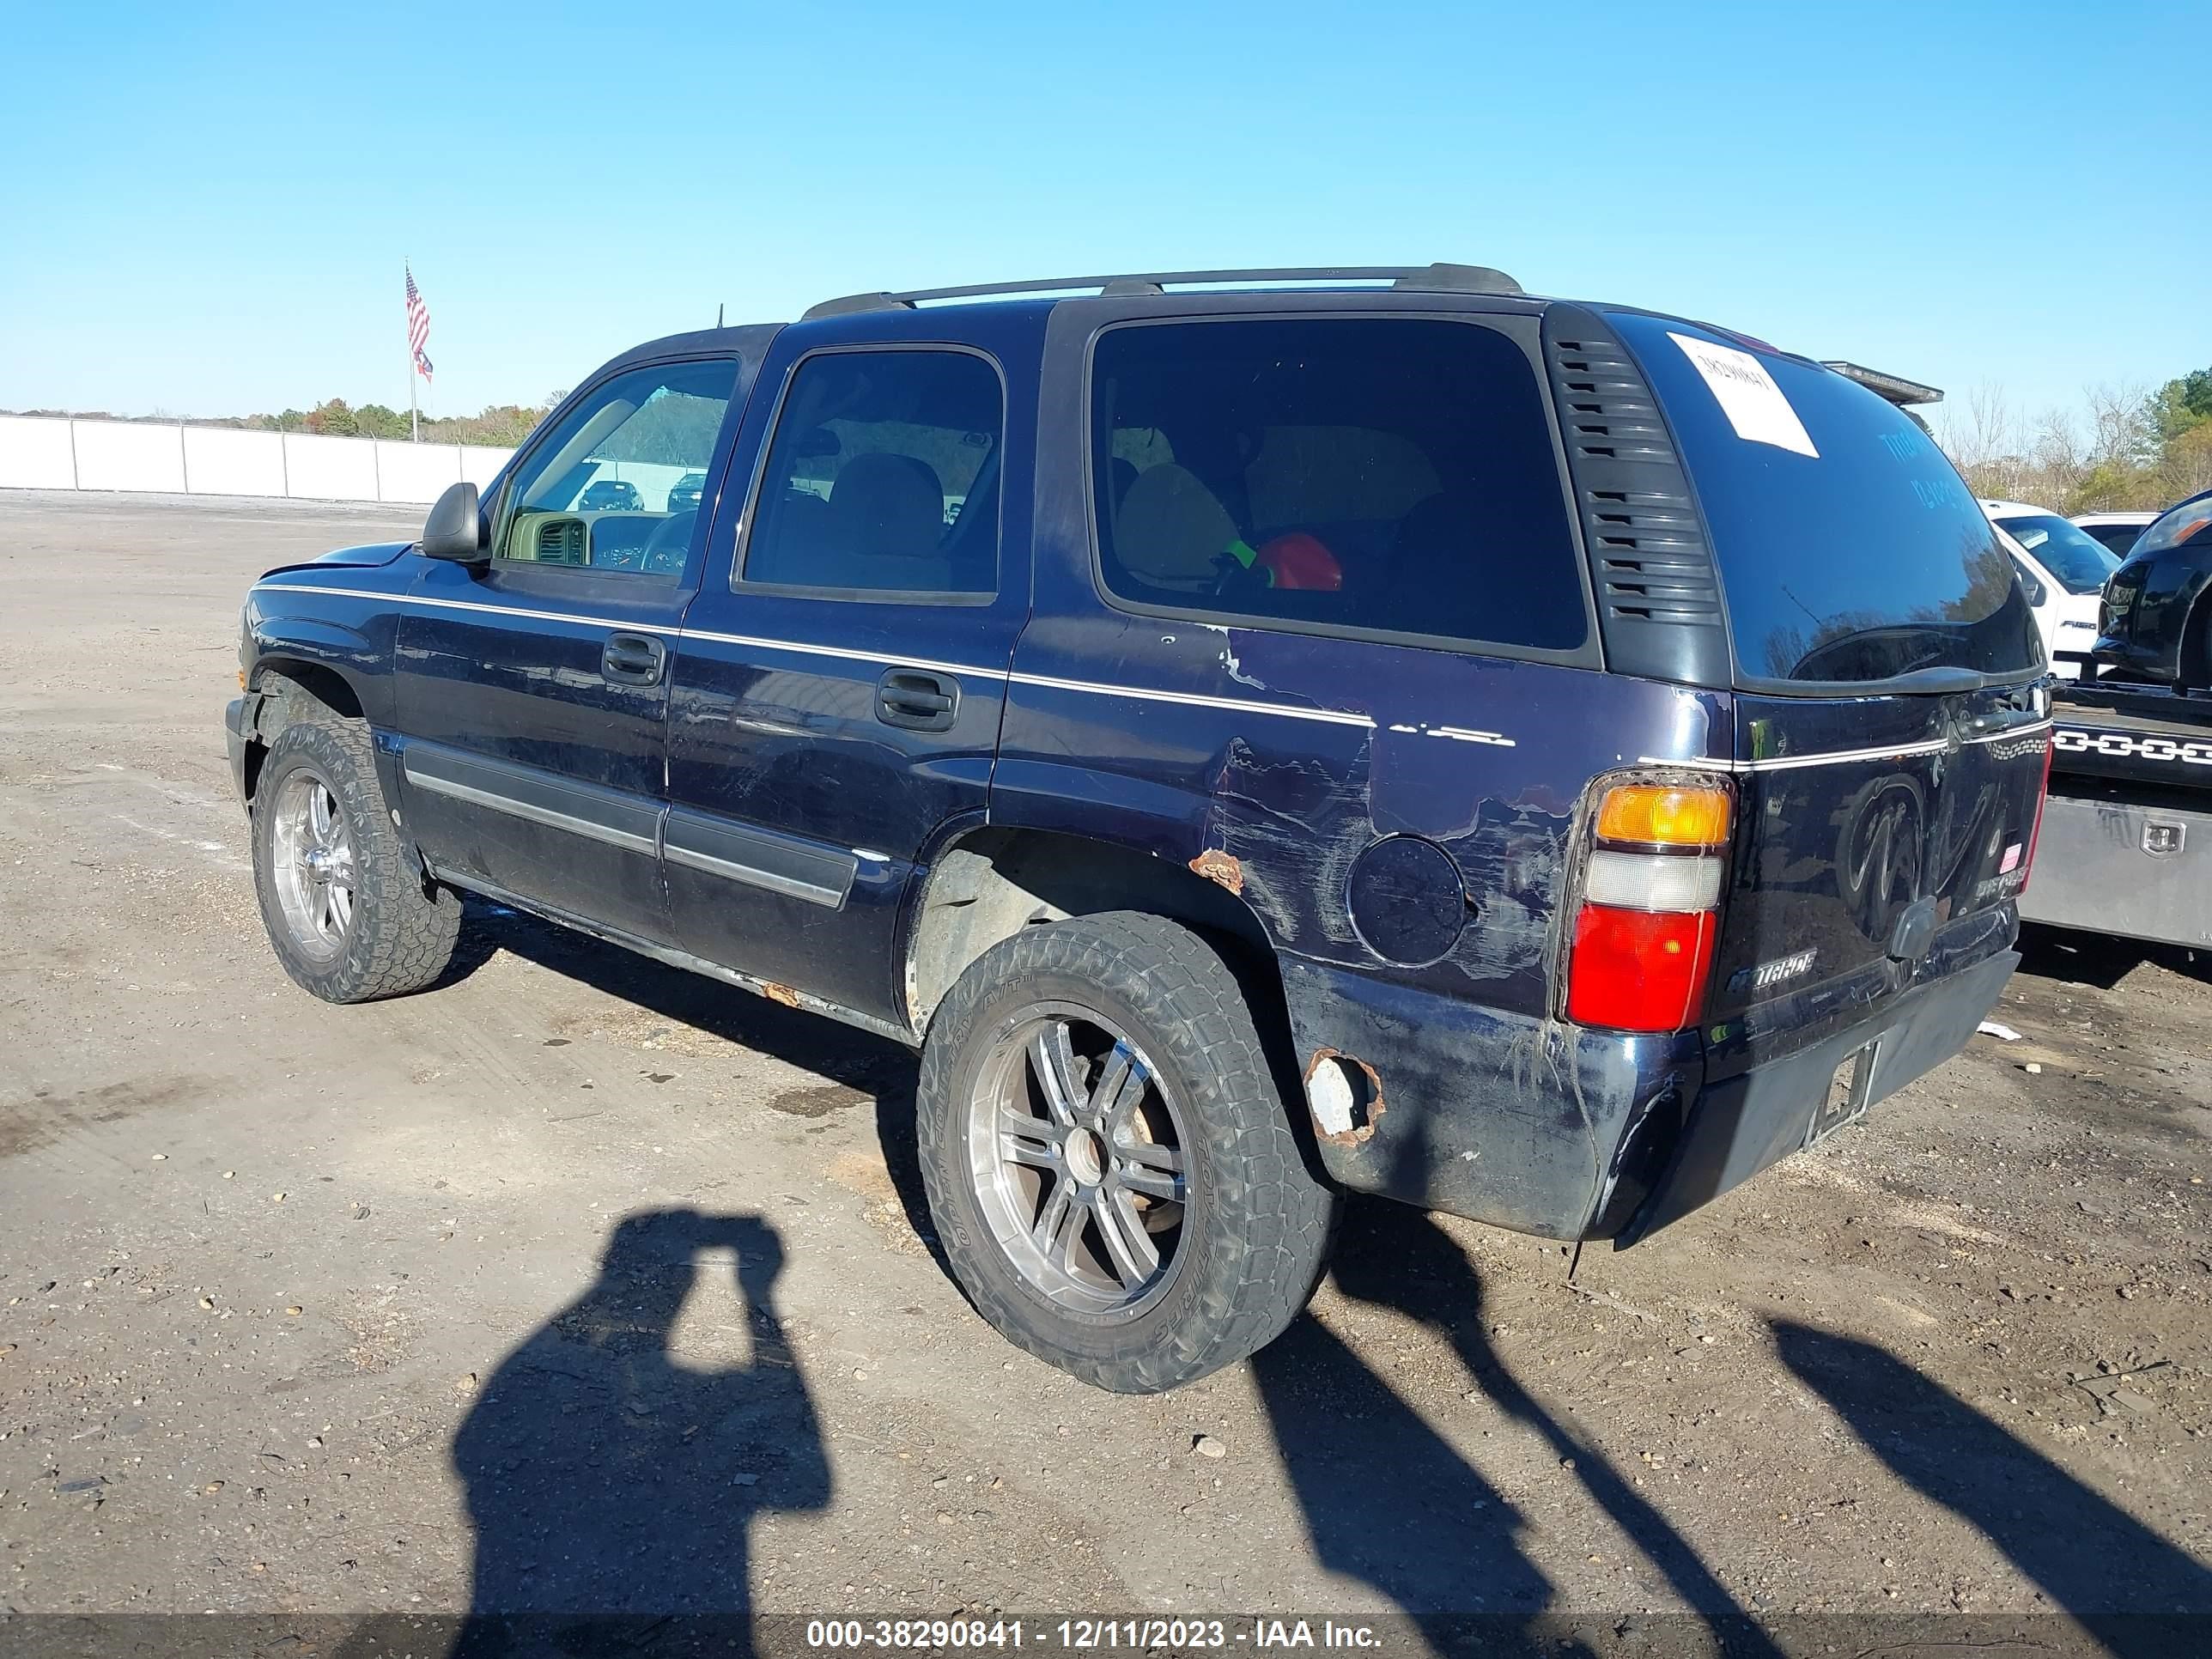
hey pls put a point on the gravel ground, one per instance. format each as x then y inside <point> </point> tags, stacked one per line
<point>580,1281</point>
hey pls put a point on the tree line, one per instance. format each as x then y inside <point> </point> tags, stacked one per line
<point>2125,448</point>
<point>500,426</point>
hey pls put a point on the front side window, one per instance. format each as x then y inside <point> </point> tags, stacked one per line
<point>615,486</point>
<point>882,477</point>
<point>1374,475</point>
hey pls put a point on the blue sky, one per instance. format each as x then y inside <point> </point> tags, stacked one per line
<point>208,206</point>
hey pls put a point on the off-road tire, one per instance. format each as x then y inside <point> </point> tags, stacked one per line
<point>402,931</point>
<point>1252,1251</point>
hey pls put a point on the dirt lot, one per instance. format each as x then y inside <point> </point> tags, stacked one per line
<point>579,1281</point>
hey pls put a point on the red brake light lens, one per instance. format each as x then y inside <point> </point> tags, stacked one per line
<point>1640,971</point>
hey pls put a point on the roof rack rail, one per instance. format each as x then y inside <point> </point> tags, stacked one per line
<point>1438,278</point>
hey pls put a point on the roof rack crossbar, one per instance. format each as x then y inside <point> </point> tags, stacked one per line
<point>1438,278</point>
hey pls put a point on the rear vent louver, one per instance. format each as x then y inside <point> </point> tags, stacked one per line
<point>1651,557</point>
<point>1604,404</point>
<point>561,541</point>
<point>1659,600</point>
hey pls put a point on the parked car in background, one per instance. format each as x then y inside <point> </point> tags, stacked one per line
<point>2064,571</point>
<point>1539,760</point>
<point>2118,530</point>
<point>683,495</point>
<point>2157,619</point>
<point>611,495</point>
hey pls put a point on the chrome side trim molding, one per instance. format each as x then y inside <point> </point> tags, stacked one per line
<point>536,814</point>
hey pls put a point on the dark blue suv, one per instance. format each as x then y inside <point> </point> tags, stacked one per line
<point>1259,734</point>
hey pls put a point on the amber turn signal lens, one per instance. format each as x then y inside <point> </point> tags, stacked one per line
<point>1664,815</point>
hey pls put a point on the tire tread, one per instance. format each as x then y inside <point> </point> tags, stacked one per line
<point>403,934</point>
<point>1279,1219</point>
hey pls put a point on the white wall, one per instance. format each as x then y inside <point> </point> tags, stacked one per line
<point>479,465</point>
<point>39,453</point>
<point>119,455</point>
<point>331,469</point>
<point>221,462</point>
<point>36,454</point>
<point>416,472</point>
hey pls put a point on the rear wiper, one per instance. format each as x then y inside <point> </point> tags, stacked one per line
<point>1934,680</point>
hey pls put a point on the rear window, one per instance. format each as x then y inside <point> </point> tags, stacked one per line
<point>1364,474</point>
<point>2065,549</point>
<point>2119,537</point>
<point>1850,549</point>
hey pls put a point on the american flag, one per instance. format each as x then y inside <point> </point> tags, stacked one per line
<point>418,326</point>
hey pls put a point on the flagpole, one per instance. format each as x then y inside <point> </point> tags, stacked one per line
<point>414,403</point>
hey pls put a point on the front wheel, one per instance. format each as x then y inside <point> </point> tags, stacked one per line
<point>1109,1162</point>
<point>347,912</point>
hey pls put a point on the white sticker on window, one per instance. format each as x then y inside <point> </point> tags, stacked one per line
<point>1748,396</point>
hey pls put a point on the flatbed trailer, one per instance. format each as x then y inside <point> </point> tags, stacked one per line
<point>2126,844</point>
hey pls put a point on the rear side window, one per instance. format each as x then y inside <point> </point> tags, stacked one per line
<point>1862,561</point>
<point>2065,549</point>
<point>883,475</point>
<point>1394,478</point>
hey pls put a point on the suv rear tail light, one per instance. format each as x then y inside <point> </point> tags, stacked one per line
<point>1648,914</point>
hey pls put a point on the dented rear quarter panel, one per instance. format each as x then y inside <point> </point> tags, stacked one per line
<point>1270,760</point>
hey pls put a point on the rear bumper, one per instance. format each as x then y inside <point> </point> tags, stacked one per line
<point>1741,1126</point>
<point>1550,1130</point>
<point>2112,866</point>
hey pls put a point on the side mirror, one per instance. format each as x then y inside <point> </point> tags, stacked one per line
<point>455,529</point>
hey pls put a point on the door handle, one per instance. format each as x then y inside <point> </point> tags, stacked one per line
<point>633,659</point>
<point>917,699</point>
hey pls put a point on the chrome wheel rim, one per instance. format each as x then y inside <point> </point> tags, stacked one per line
<point>1076,1150</point>
<point>311,857</point>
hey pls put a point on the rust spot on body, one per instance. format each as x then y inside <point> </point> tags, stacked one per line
<point>1344,1095</point>
<point>782,994</point>
<point>1216,864</point>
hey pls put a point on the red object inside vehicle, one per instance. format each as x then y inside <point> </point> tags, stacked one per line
<point>1298,560</point>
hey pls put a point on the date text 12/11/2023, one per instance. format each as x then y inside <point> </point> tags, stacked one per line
<point>1087,1635</point>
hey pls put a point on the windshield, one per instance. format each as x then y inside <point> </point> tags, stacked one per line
<point>2065,550</point>
<point>2186,522</point>
<point>1850,550</point>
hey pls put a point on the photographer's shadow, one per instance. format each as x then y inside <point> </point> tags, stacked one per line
<point>608,1484</point>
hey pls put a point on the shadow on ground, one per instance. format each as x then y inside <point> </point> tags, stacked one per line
<point>1389,1501</point>
<point>613,1490</point>
<point>871,1065</point>
<point>2088,1555</point>
<point>2100,960</point>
